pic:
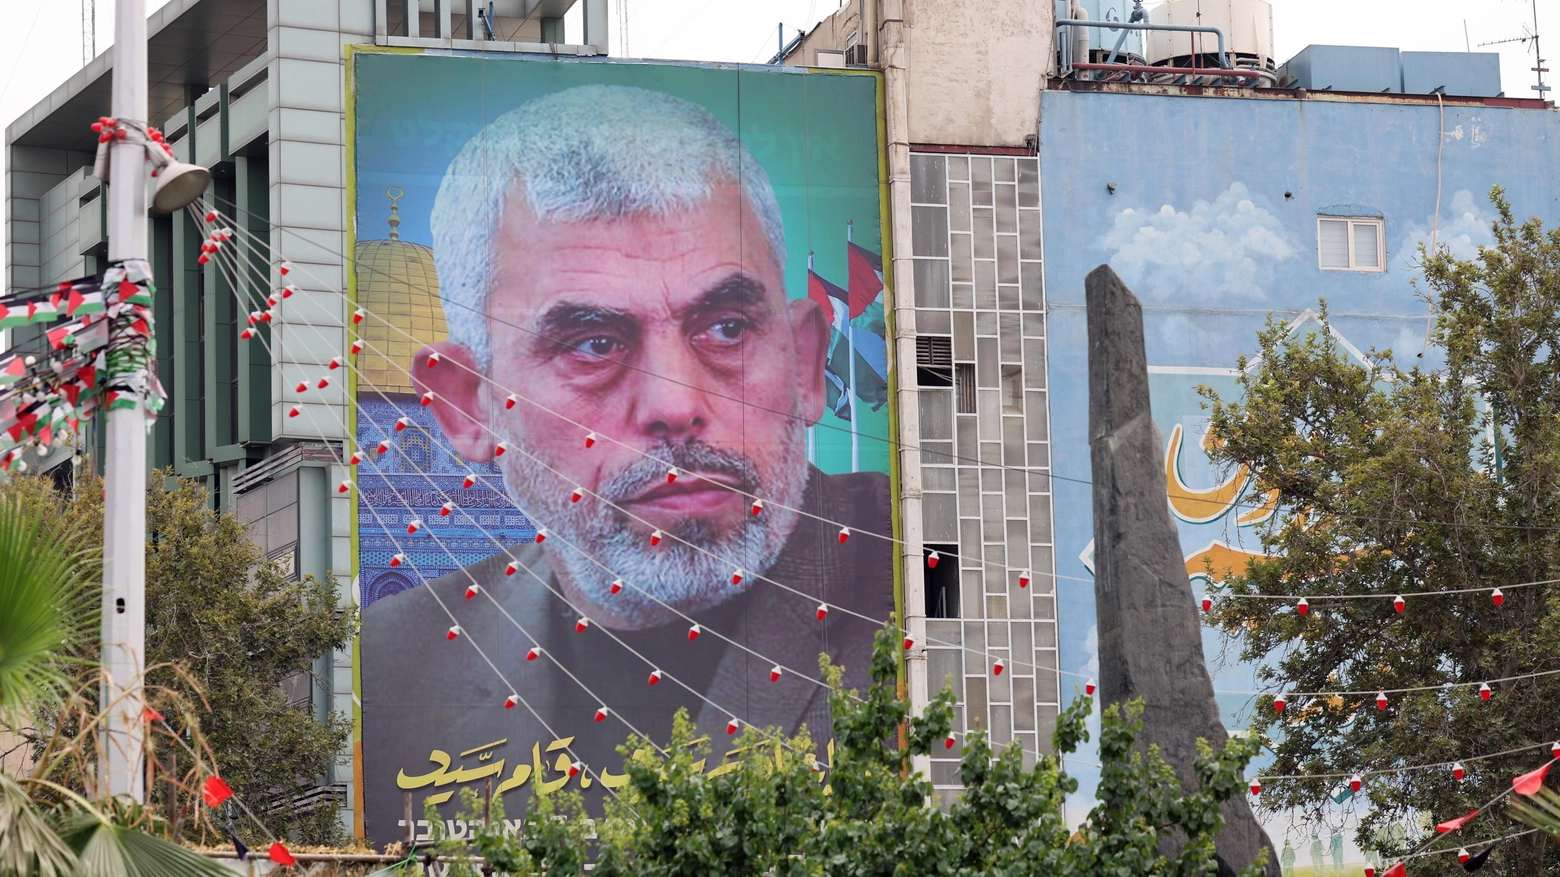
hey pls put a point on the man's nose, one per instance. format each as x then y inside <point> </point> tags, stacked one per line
<point>670,404</point>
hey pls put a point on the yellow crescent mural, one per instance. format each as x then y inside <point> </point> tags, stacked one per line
<point>1261,512</point>
<point>1200,506</point>
<point>1224,559</point>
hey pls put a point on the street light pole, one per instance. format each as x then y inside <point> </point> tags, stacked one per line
<point>124,463</point>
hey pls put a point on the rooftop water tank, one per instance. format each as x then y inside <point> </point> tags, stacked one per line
<point>1247,27</point>
<point>1372,69</point>
<point>1104,40</point>
<point>1474,74</point>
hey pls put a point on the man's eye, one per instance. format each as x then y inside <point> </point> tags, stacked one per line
<point>727,331</point>
<point>598,346</point>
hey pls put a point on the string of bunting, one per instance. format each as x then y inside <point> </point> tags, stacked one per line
<point>1456,768</point>
<point>215,793</point>
<point>998,664</point>
<point>933,558</point>
<point>106,344</point>
<point>233,272</point>
<point>1355,782</point>
<point>345,259</point>
<point>358,319</point>
<point>1526,785</point>
<point>22,294</point>
<point>455,631</point>
<point>603,711</point>
<point>1303,603</point>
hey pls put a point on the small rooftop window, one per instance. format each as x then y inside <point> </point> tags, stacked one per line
<point>1351,243</point>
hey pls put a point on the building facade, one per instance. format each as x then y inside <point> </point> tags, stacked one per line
<point>253,90</point>
<point>1016,153</point>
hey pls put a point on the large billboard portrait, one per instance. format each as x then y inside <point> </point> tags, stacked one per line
<point>622,380</point>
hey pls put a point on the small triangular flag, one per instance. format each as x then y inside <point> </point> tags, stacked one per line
<point>1530,782</point>
<point>280,855</point>
<point>1478,861</point>
<point>215,791</point>
<point>1459,822</point>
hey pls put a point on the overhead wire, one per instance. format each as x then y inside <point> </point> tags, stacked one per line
<point>566,481</point>
<point>505,550</point>
<point>1447,686</point>
<point>199,212</point>
<point>986,654</point>
<point>823,424</point>
<point>1383,596</point>
<point>732,714</point>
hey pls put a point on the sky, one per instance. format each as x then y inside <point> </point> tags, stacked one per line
<point>41,40</point>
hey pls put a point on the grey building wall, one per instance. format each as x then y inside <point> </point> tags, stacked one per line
<point>985,444</point>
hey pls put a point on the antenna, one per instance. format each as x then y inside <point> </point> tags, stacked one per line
<point>1538,56</point>
<point>623,26</point>
<point>88,31</point>
<point>1528,35</point>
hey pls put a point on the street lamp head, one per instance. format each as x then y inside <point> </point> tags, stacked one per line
<point>178,185</point>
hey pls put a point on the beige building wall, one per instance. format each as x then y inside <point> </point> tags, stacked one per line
<point>831,37</point>
<point>975,69</point>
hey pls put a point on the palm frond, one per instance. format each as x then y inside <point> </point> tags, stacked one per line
<point>107,849</point>
<point>28,845</point>
<point>46,606</point>
<point>1540,811</point>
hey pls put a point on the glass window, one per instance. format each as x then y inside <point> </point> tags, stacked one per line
<point>1366,253</point>
<point>1333,241</point>
<point>1351,244</point>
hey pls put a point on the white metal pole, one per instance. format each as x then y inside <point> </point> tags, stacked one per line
<point>894,53</point>
<point>124,464</point>
<point>854,396</point>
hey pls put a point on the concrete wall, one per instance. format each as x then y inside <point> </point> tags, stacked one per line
<point>830,35</point>
<point>977,69</point>
<point>32,173</point>
<point>308,220</point>
<point>1208,207</point>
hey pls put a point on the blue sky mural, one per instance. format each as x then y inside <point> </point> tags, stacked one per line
<point>1209,209</point>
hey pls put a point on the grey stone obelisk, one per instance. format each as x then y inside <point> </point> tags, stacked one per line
<point>1150,637</point>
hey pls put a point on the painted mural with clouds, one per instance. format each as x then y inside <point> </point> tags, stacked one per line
<point>1211,209</point>
<point>1229,246</point>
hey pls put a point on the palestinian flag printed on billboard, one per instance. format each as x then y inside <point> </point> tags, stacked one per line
<point>857,368</point>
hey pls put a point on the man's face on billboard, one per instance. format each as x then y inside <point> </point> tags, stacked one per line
<point>674,335</point>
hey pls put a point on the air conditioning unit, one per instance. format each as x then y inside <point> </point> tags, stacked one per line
<point>856,56</point>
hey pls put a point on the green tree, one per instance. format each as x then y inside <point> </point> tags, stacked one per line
<point>46,621</point>
<point>1393,480</point>
<point>778,810</point>
<point>240,628</point>
<point>224,629</point>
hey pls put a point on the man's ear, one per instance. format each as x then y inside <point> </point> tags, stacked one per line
<point>810,333</point>
<point>459,397</point>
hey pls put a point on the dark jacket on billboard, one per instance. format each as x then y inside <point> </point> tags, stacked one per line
<point>425,696</point>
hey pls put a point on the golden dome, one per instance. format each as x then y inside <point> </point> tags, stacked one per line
<point>396,280</point>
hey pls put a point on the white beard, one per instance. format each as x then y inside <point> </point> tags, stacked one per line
<point>605,545</point>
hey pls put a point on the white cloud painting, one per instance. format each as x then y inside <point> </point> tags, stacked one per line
<point>1228,248</point>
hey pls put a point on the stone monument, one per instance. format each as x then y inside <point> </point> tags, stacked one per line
<point>1149,634</point>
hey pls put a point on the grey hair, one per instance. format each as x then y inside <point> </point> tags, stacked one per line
<point>591,152</point>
